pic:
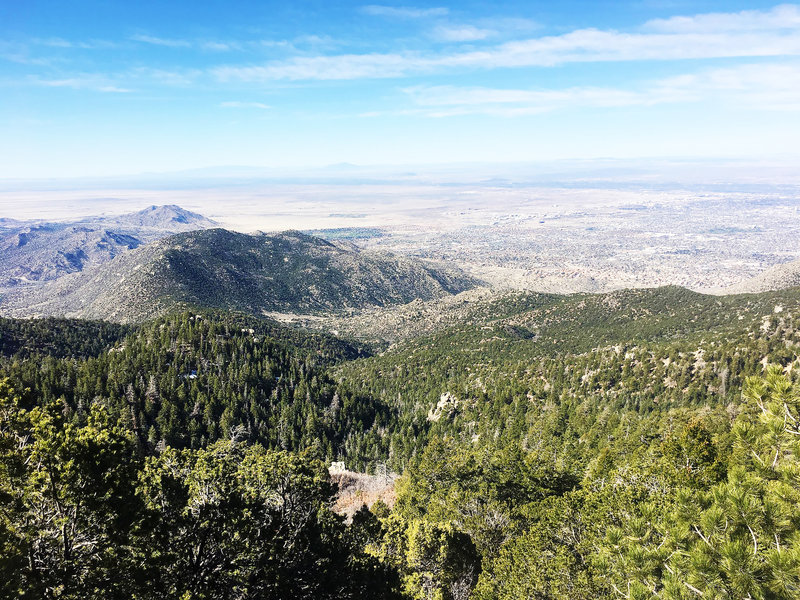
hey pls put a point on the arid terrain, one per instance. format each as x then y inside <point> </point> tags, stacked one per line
<point>513,229</point>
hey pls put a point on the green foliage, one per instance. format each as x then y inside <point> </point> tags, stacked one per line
<point>603,373</point>
<point>691,457</point>
<point>191,379</point>
<point>69,500</point>
<point>551,447</point>
<point>85,516</point>
<point>60,338</point>
<point>743,533</point>
<point>549,560</point>
<point>436,560</point>
<point>236,521</point>
<point>737,538</point>
<point>484,490</point>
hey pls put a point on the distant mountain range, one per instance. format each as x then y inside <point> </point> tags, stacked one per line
<point>215,268</point>
<point>36,251</point>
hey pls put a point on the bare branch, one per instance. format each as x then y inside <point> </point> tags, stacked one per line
<point>704,538</point>
<point>755,541</point>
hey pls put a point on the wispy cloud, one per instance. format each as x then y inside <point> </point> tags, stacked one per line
<point>758,86</point>
<point>747,34</point>
<point>237,104</point>
<point>54,42</point>
<point>318,42</point>
<point>343,66</point>
<point>57,42</point>
<point>25,59</point>
<point>720,38</point>
<point>215,46</point>
<point>786,16</point>
<point>592,45</point>
<point>172,78</point>
<point>285,44</point>
<point>87,82</point>
<point>123,82</point>
<point>509,24</point>
<point>403,12</point>
<point>157,41</point>
<point>461,33</point>
<point>28,52</point>
<point>447,101</point>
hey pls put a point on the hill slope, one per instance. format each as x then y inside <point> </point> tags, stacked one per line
<point>38,251</point>
<point>778,277</point>
<point>215,268</point>
<point>168,217</point>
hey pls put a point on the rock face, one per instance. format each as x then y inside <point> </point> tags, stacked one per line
<point>36,251</point>
<point>779,277</point>
<point>250,273</point>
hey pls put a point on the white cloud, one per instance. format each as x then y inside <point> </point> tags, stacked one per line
<point>56,42</point>
<point>509,24</point>
<point>283,44</point>
<point>445,101</point>
<point>592,45</point>
<point>122,82</point>
<point>752,86</point>
<point>755,86</point>
<point>25,59</point>
<point>786,16</point>
<point>316,41</point>
<point>344,66</point>
<point>157,41</point>
<point>403,12</point>
<point>671,42</point>
<point>220,46</point>
<point>461,33</point>
<point>182,78</point>
<point>237,104</point>
<point>88,82</point>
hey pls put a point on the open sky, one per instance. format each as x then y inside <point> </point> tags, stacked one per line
<point>123,86</point>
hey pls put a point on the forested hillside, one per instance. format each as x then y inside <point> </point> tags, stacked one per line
<point>215,268</point>
<point>639,444</point>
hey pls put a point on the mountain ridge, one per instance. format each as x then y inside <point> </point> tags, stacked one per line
<point>217,268</point>
<point>38,251</point>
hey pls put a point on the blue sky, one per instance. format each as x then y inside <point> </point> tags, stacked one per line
<point>118,87</point>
